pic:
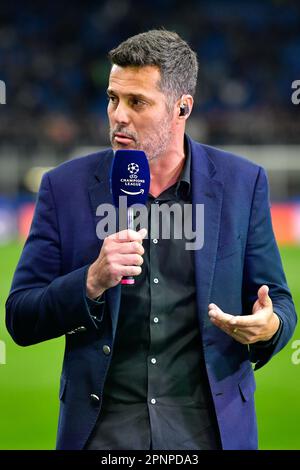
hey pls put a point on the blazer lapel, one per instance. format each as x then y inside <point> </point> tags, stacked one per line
<point>207,191</point>
<point>99,192</point>
<point>99,189</point>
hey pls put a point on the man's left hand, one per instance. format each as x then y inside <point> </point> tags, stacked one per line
<point>248,329</point>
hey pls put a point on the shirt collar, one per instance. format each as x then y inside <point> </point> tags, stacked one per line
<point>183,185</point>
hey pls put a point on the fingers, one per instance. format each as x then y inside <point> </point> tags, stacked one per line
<point>216,313</point>
<point>240,336</point>
<point>129,259</point>
<point>129,235</point>
<point>263,296</point>
<point>130,247</point>
<point>242,322</point>
<point>220,319</point>
<point>247,329</point>
<point>120,255</point>
<point>227,322</point>
<point>129,270</point>
<point>125,242</point>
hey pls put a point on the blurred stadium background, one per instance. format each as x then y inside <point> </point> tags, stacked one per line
<point>53,62</point>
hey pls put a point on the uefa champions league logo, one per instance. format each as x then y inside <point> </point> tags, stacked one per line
<point>133,180</point>
<point>133,169</point>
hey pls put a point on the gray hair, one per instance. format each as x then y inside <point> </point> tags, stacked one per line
<point>175,59</point>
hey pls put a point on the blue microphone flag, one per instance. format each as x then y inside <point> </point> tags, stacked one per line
<point>130,177</point>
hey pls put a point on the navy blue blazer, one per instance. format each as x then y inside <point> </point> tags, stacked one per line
<point>47,297</point>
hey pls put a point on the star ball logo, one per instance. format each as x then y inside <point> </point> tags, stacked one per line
<point>133,169</point>
<point>133,180</point>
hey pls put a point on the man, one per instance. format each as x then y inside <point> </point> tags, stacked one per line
<point>163,364</point>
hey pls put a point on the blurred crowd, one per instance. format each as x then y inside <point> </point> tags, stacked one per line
<point>53,59</point>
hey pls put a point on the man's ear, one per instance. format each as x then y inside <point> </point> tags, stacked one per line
<point>185,105</point>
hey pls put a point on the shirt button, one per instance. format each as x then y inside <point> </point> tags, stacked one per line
<point>153,360</point>
<point>153,401</point>
<point>155,280</point>
<point>106,350</point>
<point>156,320</point>
<point>155,240</point>
<point>94,398</point>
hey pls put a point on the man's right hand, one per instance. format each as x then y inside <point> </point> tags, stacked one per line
<point>120,255</point>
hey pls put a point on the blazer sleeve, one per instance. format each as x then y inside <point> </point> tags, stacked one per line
<point>43,303</point>
<point>263,266</point>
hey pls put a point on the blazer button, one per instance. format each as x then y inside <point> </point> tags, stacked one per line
<point>106,350</point>
<point>94,398</point>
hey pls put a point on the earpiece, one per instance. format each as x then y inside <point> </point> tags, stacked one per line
<point>184,109</point>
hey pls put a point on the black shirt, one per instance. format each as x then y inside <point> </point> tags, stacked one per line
<point>156,393</point>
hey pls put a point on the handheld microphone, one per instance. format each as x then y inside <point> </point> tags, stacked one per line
<point>130,177</point>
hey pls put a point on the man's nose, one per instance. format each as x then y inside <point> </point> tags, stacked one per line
<point>121,114</point>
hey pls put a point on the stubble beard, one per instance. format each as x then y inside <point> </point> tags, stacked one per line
<point>154,146</point>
